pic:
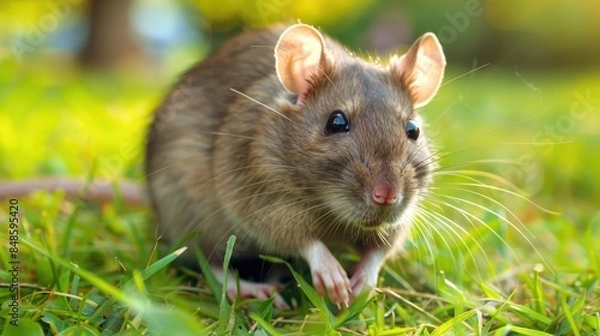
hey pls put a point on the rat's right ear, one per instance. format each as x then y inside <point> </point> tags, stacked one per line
<point>300,58</point>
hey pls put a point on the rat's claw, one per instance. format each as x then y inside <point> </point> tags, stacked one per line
<point>328,275</point>
<point>333,282</point>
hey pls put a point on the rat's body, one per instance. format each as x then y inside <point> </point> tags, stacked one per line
<point>295,154</point>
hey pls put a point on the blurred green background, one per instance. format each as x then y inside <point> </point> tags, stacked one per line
<point>79,80</point>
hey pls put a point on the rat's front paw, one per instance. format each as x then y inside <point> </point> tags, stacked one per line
<point>260,291</point>
<point>361,281</point>
<point>250,289</point>
<point>329,278</point>
<point>365,273</point>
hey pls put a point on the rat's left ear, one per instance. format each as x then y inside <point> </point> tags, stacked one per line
<point>421,69</point>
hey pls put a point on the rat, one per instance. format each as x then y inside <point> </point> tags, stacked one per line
<point>286,140</point>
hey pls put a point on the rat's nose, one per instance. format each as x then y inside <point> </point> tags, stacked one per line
<point>383,194</point>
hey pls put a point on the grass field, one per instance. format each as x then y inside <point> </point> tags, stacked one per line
<point>507,243</point>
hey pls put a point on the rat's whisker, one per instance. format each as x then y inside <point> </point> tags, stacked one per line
<point>233,135</point>
<point>263,105</point>
<point>465,74</point>
<point>437,230</point>
<point>479,184</point>
<point>451,224</point>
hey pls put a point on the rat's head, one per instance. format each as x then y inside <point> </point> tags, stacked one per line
<point>357,140</point>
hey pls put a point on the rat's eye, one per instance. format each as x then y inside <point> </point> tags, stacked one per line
<point>337,123</point>
<point>412,130</point>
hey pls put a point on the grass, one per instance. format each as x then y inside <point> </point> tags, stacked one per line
<point>482,260</point>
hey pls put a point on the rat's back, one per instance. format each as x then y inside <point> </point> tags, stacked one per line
<point>181,138</point>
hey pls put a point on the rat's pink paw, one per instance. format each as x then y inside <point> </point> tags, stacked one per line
<point>260,291</point>
<point>365,273</point>
<point>250,289</point>
<point>329,278</point>
<point>361,282</point>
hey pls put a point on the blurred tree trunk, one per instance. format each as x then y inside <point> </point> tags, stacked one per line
<point>111,39</point>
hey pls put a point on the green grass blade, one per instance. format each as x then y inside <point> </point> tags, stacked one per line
<point>214,284</point>
<point>510,330</point>
<point>225,311</point>
<point>155,267</point>
<point>539,299</point>
<point>452,323</point>
<point>264,324</point>
<point>569,316</point>
<point>265,309</point>
<point>529,314</point>
<point>358,306</point>
<point>312,295</point>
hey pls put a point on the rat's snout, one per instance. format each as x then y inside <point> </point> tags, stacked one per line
<point>384,194</point>
<point>385,191</point>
